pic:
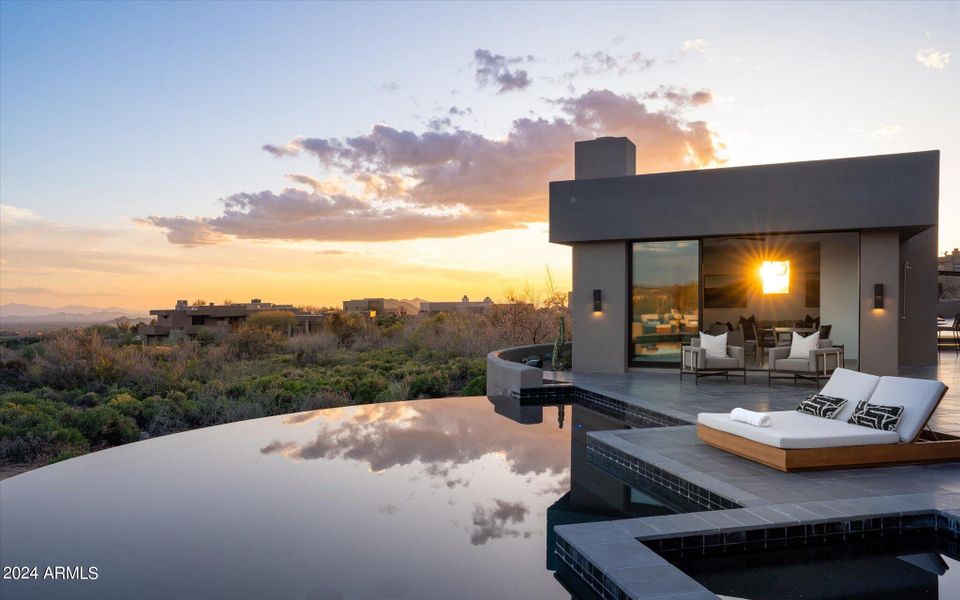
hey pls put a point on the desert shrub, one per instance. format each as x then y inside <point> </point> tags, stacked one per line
<point>105,425</point>
<point>313,349</point>
<point>476,387</point>
<point>325,399</point>
<point>251,342</point>
<point>395,391</point>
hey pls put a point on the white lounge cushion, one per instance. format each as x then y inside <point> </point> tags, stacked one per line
<point>853,387</point>
<point>918,397</point>
<point>715,345</point>
<point>800,346</point>
<point>790,429</point>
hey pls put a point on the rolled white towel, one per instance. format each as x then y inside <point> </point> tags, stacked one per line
<point>757,419</point>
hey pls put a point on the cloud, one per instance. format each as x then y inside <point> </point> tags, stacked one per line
<point>886,132</point>
<point>883,133</point>
<point>10,214</point>
<point>696,45</point>
<point>459,112</point>
<point>602,62</point>
<point>386,437</point>
<point>299,215</point>
<point>933,58</point>
<point>680,96</point>
<point>187,231</point>
<point>25,290</point>
<point>334,252</point>
<point>321,186</point>
<point>395,184</point>
<point>493,522</point>
<point>389,86</point>
<point>499,70</point>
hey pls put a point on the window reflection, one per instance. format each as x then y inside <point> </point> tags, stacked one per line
<point>665,300</point>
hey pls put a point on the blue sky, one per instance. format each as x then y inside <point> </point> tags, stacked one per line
<point>112,112</point>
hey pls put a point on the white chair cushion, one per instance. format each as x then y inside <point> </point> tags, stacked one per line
<point>853,387</point>
<point>790,429</point>
<point>800,365</point>
<point>714,345</point>
<point>918,397</point>
<point>800,346</point>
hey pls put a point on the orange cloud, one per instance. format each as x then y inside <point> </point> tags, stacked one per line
<point>450,183</point>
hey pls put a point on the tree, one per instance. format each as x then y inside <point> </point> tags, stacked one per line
<point>199,302</point>
<point>275,320</point>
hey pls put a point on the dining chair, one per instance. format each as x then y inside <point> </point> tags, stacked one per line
<point>749,333</point>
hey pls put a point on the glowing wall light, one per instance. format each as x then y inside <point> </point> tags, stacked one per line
<point>597,305</point>
<point>373,314</point>
<point>878,295</point>
<point>775,275</point>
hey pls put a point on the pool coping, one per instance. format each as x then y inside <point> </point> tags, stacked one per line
<point>618,560</point>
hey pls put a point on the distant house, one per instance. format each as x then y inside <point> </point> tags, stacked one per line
<point>185,320</point>
<point>381,306</point>
<point>464,305</point>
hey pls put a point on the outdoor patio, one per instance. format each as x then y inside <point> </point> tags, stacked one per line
<point>739,501</point>
<point>662,391</point>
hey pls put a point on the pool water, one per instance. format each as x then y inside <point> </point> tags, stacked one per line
<point>445,498</point>
<point>914,567</point>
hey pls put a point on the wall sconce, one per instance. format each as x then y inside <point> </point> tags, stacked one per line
<point>775,275</point>
<point>878,295</point>
<point>596,301</point>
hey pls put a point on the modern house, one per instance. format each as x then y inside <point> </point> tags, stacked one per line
<point>185,320</point>
<point>381,306</point>
<point>658,257</point>
<point>464,305</point>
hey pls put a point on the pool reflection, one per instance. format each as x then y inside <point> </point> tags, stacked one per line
<point>421,499</point>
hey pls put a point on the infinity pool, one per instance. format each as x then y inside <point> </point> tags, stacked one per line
<point>424,499</point>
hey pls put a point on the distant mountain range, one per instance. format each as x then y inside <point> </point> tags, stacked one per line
<point>13,313</point>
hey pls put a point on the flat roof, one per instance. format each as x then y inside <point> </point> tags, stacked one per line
<point>888,191</point>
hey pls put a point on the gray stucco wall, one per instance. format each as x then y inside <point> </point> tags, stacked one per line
<point>879,328</point>
<point>918,298</point>
<point>888,191</point>
<point>600,338</point>
<point>840,289</point>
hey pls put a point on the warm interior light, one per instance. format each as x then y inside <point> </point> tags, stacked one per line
<point>373,314</point>
<point>775,275</point>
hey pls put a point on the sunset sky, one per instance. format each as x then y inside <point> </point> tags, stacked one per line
<point>313,152</point>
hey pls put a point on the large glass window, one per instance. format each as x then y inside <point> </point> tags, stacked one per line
<point>664,300</point>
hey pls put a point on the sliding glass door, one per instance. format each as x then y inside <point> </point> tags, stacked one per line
<point>664,300</point>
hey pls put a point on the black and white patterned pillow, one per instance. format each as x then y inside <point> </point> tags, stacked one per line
<point>877,416</point>
<point>819,405</point>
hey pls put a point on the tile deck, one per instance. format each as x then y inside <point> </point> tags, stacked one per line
<point>617,558</point>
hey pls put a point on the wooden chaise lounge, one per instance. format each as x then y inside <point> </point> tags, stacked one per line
<point>800,441</point>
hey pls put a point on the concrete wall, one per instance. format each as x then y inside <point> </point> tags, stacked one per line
<point>918,299</point>
<point>504,376</point>
<point>600,338</point>
<point>840,289</point>
<point>604,157</point>
<point>872,192</point>
<point>879,328</point>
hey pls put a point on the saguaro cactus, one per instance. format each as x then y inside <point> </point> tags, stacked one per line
<point>558,358</point>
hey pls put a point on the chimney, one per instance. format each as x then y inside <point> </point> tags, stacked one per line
<point>604,157</point>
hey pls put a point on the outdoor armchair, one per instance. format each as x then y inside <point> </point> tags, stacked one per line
<point>819,364</point>
<point>694,361</point>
